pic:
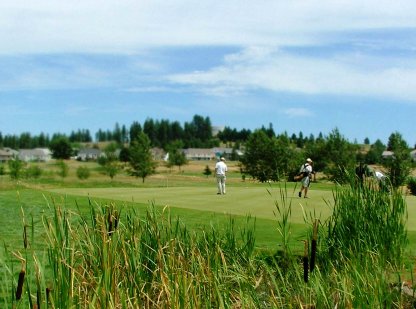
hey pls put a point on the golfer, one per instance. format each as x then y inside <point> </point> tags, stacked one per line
<point>220,172</point>
<point>307,171</point>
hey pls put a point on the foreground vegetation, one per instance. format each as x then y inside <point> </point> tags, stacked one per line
<point>113,256</point>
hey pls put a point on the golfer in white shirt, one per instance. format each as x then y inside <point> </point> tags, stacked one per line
<point>220,172</point>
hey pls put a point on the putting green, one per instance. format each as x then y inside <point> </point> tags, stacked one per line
<point>255,201</point>
<point>258,201</point>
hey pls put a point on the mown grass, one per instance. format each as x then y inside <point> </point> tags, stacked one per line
<point>124,257</point>
<point>177,244</point>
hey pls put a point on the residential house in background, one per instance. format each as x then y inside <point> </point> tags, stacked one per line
<point>413,155</point>
<point>7,154</point>
<point>199,154</point>
<point>88,154</point>
<point>227,153</point>
<point>158,153</point>
<point>387,154</point>
<point>35,155</point>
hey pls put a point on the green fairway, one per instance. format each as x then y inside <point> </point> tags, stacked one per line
<point>195,205</point>
<point>250,200</point>
<point>254,201</point>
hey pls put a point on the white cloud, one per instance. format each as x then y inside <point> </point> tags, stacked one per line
<point>277,71</point>
<point>296,112</point>
<point>127,26</point>
<point>261,28</point>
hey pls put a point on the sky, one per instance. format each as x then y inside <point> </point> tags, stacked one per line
<point>307,66</point>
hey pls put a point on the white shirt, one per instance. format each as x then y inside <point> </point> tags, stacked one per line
<point>379,175</point>
<point>220,168</point>
<point>306,168</point>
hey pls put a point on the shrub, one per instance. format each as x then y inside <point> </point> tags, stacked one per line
<point>411,185</point>
<point>83,172</point>
<point>15,168</point>
<point>33,171</point>
<point>1,169</point>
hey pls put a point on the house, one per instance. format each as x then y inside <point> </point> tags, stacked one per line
<point>199,154</point>
<point>7,154</point>
<point>390,154</point>
<point>158,153</point>
<point>35,155</point>
<point>88,154</point>
<point>413,155</point>
<point>387,154</point>
<point>227,153</point>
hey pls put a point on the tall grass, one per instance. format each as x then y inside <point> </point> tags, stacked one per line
<point>116,258</point>
<point>367,220</point>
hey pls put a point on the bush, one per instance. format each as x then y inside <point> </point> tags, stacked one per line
<point>83,172</point>
<point>2,169</point>
<point>411,185</point>
<point>33,171</point>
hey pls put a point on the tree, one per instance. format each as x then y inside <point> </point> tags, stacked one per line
<point>141,161</point>
<point>207,171</point>
<point>398,165</point>
<point>261,157</point>
<point>109,162</point>
<point>176,155</point>
<point>61,148</point>
<point>135,129</point>
<point>83,172</point>
<point>124,155</point>
<point>15,168</point>
<point>63,168</point>
<point>373,156</point>
<point>335,156</point>
<point>33,171</point>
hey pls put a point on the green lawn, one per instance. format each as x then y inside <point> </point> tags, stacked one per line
<point>197,205</point>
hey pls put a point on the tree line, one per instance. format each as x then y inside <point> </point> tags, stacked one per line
<point>267,155</point>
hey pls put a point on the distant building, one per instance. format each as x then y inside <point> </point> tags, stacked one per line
<point>199,154</point>
<point>158,153</point>
<point>211,153</point>
<point>413,155</point>
<point>390,154</point>
<point>35,155</point>
<point>89,154</point>
<point>7,154</point>
<point>387,154</point>
<point>227,153</point>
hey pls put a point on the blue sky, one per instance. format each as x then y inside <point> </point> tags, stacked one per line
<point>308,66</point>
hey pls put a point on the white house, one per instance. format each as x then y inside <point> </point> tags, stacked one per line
<point>199,154</point>
<point>7,154</point>
<point>413,155</point>
<point>35,155</point>
<point>87,154</point>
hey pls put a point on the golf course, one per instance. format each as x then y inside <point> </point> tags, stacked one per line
<point>115,236</point>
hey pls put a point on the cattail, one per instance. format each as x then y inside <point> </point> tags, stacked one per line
<point>38,298</point>
<point>305,262</point>
<point>25,236</point>
<point>116,219</point>
<point>48,292</point>
<point>20,282</point>
<point>110,223</point>
<point>313,245</point>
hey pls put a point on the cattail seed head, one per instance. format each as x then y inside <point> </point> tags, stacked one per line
<point>25,236</point>
<point>313,245</point>
<point>20,282</point>
<point>116,219</point>
<point>305,262</point>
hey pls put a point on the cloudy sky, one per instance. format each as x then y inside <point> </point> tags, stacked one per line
<point>308,66</point>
